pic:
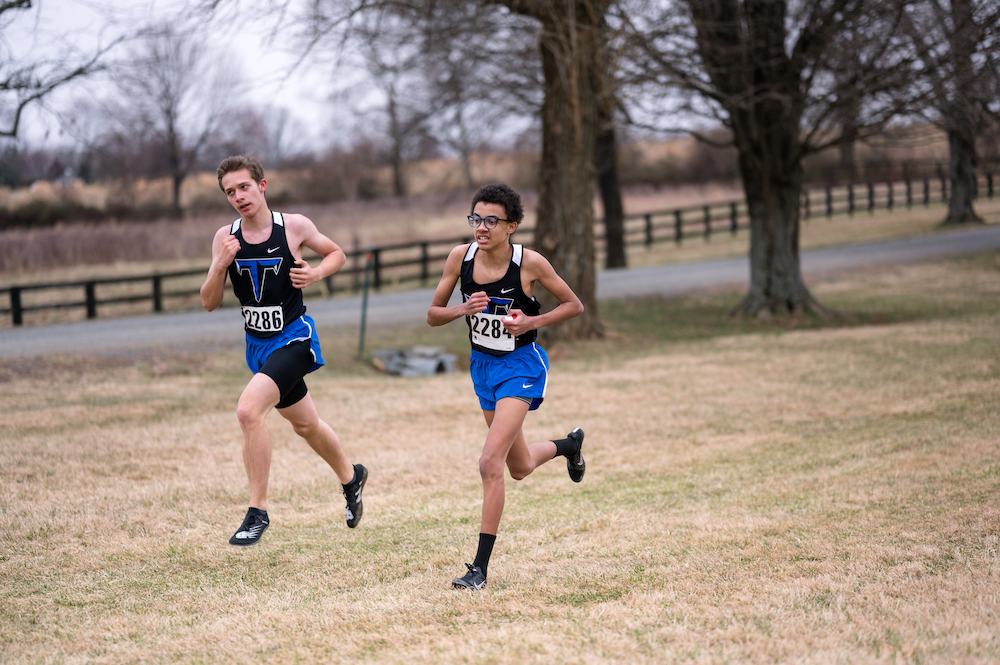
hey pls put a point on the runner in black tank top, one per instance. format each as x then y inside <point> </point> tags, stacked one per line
<point>258,254</point>
<point>509,369</point>
<point>486,330</point>
<point>262,281</point>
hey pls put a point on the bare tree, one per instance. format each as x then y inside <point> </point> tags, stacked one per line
<point>768,70</point>
<point>606,154</point>
<point>180,91</point>
<point>958,47</point>
<point>30,78</point>
<point>482,66</point>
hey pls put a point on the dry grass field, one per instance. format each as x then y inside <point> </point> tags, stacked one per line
<point>756,492</point>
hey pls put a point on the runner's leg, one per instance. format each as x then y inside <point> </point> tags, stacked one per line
<point>258,398</point>
<point>319,435</point>
<point>505,428</point>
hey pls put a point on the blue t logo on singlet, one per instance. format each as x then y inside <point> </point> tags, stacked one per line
<point>257,269</point>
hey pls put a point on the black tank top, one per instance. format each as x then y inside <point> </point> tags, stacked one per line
<point>486,331</point>
<point>261,280</point>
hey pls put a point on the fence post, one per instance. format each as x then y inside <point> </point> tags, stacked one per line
<point>909,193</point>
<point>871,197</point>
<point>91,298</point>
<point>708,223</point>
<point>424,263</point>
<point>989,184</point>
<point>850,199</point>
<point>649,230</point>
<point>927,191</point>
<point>889,202</point>
<point>944,188</point>
<point>16,311</point>
<point>808,212</point>
<point>369,259</point>
<point>733,221</point>
<point>377,267</point>
<point>356,273</point>
<point>157,293</point>
<point>829,201</point>
<point>678,227</point>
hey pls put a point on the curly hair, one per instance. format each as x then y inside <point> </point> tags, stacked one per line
<point>501,195</point>
<point>237,162</point>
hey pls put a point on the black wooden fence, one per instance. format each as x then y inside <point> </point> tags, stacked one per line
<point>397,264</point>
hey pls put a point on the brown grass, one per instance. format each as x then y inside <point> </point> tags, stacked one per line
<point>754,494</point>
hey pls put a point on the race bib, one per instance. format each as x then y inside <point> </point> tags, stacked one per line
<point>488,331</point>
<point>263,319</point>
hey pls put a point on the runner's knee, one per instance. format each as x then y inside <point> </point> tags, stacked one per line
<point>490,467</point>
<point>248,414</point>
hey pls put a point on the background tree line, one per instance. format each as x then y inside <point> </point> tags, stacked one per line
<point>774,82</point>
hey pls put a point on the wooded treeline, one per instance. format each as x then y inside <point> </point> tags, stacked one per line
<point>775,81</point>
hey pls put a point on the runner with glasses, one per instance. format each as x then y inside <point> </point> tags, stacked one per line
<point>509,369</point>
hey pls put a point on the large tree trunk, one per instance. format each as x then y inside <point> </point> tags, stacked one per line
<point>744,49</point>
<point>961,116</point>
<point>776,286</point>
<point>962,172</point>
<point>564,232</point>
<point>396,150</point>
<point>611,197</point>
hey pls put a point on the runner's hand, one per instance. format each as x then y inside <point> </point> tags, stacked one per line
<point>517,323</point>
<point>477,302</point>
<point>227,252</point>
<point>303,275</point>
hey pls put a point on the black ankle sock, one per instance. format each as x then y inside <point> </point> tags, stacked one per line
<point>566,447</point>
<point>258,511</point>
<point>484,552</point>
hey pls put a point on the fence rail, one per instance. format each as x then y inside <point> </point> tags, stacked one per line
<point>420,261</point>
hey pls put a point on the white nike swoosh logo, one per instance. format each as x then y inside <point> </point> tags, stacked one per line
<point>273,249</point>
<point>527,385</point>
<point>503,291</point>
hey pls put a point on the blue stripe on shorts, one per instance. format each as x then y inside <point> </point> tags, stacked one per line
<point>259,349</point>
<point>523,373</point>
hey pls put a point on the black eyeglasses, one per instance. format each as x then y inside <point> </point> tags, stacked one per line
<point>490,221</point>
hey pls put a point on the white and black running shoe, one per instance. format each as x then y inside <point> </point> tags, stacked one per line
<point>474,580</point>
<point>575,463</point>
<point>253,527</point>
<point>352,492</point>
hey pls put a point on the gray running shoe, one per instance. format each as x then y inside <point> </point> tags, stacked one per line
<point>474,580</point>
<point>575,463</point>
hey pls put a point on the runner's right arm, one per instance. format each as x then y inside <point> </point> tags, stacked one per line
<point>439,312</point>
<point>224,248</point>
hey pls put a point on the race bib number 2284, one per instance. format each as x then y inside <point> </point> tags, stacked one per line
<point>488,330</point>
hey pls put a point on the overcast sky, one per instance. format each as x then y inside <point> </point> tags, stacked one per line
<point>266,62</point>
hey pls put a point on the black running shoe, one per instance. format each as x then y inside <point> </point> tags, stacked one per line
<point>574,463</point>
<point>253,527</point>
<point>352,492</point>
<point>474,580</point>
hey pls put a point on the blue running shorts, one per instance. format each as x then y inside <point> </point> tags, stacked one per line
<point>522,373</point>
<point>302,328</point>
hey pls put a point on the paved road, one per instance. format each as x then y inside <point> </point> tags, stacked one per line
<point>226,326</point>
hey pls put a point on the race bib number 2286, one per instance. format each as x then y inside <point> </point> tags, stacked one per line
<point>263,319</point>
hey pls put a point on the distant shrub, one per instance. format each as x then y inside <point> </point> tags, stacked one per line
<point>44,213</point>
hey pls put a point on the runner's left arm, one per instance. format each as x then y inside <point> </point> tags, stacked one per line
<point>304,233</point>
<point>539,269</point>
